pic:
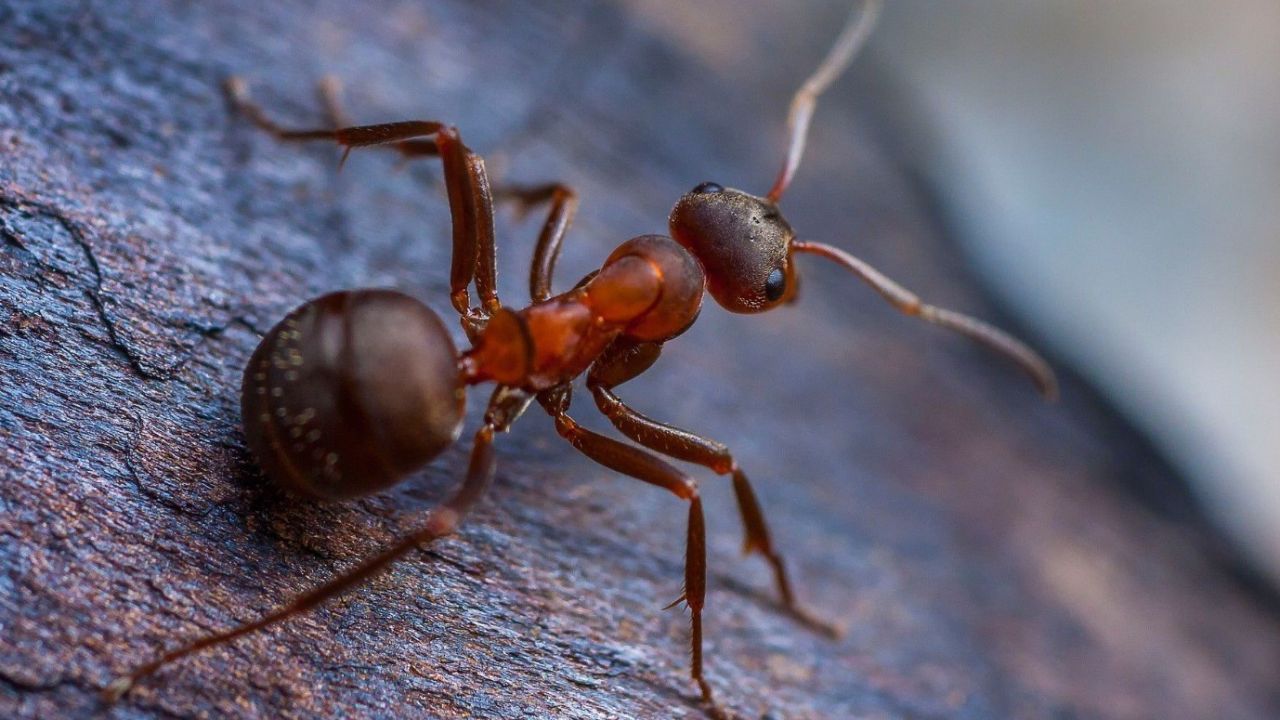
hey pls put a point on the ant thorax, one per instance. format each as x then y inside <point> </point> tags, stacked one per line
<point>649,290</point>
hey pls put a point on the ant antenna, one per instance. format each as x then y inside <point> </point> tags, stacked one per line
<point>1028,360</point>
<point>861,20</point>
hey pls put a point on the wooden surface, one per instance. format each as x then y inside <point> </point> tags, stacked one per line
<point>986,551</point>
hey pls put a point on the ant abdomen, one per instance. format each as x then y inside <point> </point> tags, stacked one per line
<point>350,392</point>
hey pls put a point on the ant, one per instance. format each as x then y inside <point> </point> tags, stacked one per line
<point>355,390</point>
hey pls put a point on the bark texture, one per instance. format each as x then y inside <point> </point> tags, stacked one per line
<point>987,552</point>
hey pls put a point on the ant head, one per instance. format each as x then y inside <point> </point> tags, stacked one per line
<point>741,240</point>
<point>743,244</point>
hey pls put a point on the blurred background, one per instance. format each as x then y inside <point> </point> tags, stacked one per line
<point>1115,169</point>
<point>1112,170</point>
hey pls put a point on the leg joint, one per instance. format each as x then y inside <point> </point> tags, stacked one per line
<point>566,427</point>
<point>443,521</point>
<point>687,489</point>
<point>608,403</point>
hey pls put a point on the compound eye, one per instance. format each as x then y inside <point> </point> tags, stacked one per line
<point>708,187</point>
<point>776,285</point>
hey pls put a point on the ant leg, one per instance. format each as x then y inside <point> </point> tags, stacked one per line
<point>329,87</point>
<point>564,205</point>
<point>910,304</point>
<point>624,361</point>
<point>474,255</point>
<point>564,201</point>
<point>442,520</point>
<point>466,182</point>
<point>649,468</point>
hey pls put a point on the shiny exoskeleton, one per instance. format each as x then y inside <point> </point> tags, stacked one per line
<point>327,393</point>
<point>355,390</point>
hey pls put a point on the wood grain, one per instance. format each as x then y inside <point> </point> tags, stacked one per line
<point>982,547</point>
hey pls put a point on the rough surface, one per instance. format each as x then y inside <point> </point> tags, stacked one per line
<point>986,551</point>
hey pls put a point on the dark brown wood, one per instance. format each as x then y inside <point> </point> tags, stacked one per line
<point>982,549</point>
<point>438,523</point>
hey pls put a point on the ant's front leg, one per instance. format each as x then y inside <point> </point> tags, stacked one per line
<point>467,183</point>
<point>625,360</point>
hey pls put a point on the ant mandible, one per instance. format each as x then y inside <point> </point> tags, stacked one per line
<point>355,390</point>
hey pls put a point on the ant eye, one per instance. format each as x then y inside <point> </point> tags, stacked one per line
<point>775,285</point>
<point>708,187</point>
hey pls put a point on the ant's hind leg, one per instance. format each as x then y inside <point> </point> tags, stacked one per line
<point>467,183</point>
<point>470,206</point>
<point>442,520</point>
<point>625,360</point>
<point>238,92</point>
<point>329,88</point>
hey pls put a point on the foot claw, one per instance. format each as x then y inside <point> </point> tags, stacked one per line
<point>832,630</point>
<point>330,84</point>
<point>715,711</point>
<point>116,690</point>
<point>237,89</point>
<point>677,601</point>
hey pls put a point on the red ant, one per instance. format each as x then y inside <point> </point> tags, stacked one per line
<point>355,390</point>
